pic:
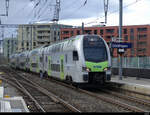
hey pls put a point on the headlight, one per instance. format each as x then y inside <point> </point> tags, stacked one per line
<point>85,69</point>
<point>105,69</point>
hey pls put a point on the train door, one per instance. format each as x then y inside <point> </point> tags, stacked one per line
<point>75,64</point>
<point>31,63</point>
<point>62,67</point>
<point>41,62</point>
<point>27,62</point>
<point>37,62</point>
<point>43,57</point>
<point>49,66</point>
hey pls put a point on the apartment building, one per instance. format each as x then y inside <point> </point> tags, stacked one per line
<point>31,36</point>
<point>9,46</point>
<point>138,35</point>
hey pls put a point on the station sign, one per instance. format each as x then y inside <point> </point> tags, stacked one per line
<point>120,45</point>
<point>121,51</point>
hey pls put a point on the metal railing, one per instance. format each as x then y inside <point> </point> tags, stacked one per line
<point>132,62</point>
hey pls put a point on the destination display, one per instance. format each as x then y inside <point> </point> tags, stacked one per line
<point>120,45</point>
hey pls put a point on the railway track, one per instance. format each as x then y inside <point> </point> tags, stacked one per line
<point>109,100</point>
<point>131,99</point>
<point>39,99</point>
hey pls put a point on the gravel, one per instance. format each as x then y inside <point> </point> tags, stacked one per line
<point>82,101</point>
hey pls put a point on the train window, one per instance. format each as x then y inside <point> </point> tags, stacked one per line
<point>46,59</point>
<point>75,56</point>
<point>53,48</point>
<point>93,41</point>
<point>66,57</point>
<point>27,60</point>
<point>94,49</point>
<point>34,64</point>
<point>50,49</point>
<point>62,45</point>
<point>55,67</point>
<point>41,59</point>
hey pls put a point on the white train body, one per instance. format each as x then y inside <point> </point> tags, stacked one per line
<point>22,60</point>
<point>81,59</point>
<point>13,60</point>
<point>34,60</point>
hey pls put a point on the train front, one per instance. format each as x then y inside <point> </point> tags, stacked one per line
<point>97,60</point>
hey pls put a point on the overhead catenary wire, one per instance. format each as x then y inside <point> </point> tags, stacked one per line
<point>19,10</point>
<point>85,2</point>
<point>76,10</point>
<point>40,12</point>
<point>69,5</point>
<point>33,9</point>
<point>112,12</point>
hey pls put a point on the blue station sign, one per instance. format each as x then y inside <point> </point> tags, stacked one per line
<point>120,45</point>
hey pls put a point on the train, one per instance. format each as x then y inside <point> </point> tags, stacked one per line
<point>82,59</point>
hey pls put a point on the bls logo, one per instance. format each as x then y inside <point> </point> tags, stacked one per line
<point>97,66</point>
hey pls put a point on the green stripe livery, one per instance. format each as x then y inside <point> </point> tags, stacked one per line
<point>49,65</point>
<point>37,61</point>
<point>96,67</point>
<point>30,64</point>
<point>62,67</point>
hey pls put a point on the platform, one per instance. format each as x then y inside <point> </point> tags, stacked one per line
<point>132,84</point>
<point>10,99</point>
<point>132,81</point>
<point>13,104</point>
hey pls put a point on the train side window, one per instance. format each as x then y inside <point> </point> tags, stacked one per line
<point>66,57</point>
<point>75,56</point>
<point>41,59</point>
<point>46,59</point>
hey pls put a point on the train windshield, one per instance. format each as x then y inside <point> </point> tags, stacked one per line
<point>94,49</point>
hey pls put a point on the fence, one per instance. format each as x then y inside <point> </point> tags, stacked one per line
<point>132,62</point>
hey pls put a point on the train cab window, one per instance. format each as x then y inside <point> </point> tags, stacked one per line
<point>75,56</point>
<point>94,49</point>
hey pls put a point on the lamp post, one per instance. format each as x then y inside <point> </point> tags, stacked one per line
<point>120,36</point>
<point>137,77</point>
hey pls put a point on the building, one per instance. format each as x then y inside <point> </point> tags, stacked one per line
<point>31,36</point>
<point>138,35</point>
<point>9,46</point>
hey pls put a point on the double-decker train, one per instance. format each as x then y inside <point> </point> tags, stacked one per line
<point>80,59</point>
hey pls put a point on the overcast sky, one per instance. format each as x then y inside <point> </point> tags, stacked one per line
<point>75,11</point>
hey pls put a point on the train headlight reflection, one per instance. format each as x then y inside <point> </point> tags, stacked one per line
<point>86,69</point>
<point>105,69</point>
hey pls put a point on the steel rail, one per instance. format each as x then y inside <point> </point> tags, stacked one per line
<point>21,88</point>
<point>137,100</point>
<point>33,99</point>
<point>54,97</point>
<point>106,99</point>
<point>49,94</point>
<point>109,100</point>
